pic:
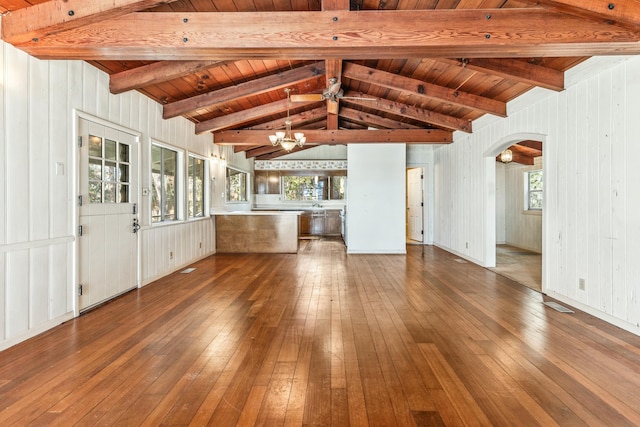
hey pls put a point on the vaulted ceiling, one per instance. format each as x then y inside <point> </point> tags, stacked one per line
<point>411,71</point>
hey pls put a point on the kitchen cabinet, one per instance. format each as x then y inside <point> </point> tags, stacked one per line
<point>321,222</point>
<point>266,182</point>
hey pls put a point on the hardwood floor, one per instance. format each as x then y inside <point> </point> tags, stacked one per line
<point>520,265</point>
<point>325,338</point>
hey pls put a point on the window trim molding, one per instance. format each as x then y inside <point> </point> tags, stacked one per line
<point>247,186</point>
<point>527,192</point>
<point>180,178</point>
<point>207,188</point>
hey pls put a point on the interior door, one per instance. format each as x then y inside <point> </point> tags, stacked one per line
<point>415,204</point>
<point>108,218</point>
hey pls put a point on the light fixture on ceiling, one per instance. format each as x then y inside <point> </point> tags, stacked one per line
<point>285,138</point>
<point>506,156</point>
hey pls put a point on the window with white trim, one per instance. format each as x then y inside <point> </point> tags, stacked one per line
<point>165,183</point>
<point>533,190</point>
<point>196,183</point>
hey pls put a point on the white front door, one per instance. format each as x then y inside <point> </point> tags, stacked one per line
<point>107,233</point>
<point>414,204</point>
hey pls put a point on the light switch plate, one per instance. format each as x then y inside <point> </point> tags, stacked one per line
<point>145,191</point>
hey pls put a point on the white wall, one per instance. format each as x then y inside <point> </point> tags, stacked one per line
<point>501,231</point>
<point>376,204</point>
<point>591,226</point>
<point>523,229</point>
<point>37,210</point>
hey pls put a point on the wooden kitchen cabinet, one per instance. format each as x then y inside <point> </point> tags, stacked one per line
<point>321,223</point>
<point>266,182</point>
<point>332,223</point>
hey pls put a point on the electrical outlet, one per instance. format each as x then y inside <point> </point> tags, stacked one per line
<point>170,255</point>
<point>466,245</point>
<point>581,284</point>
<point>200,245</point>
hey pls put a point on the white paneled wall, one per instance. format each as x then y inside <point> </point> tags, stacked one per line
<point>38,100</point>
<point>591,227</point>
<point>521,228</point>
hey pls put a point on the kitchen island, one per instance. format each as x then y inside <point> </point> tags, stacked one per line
<point>257,232</point>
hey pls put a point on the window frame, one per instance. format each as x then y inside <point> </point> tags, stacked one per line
<point>247,186</point>
<point>326,188</point>
<point>528,191</point>
<point>205,186</point>
<point>179,188</point>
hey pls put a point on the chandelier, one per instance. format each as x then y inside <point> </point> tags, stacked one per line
<point>285,138</point>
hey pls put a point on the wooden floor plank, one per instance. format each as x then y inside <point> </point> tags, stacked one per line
<point>326,338</point>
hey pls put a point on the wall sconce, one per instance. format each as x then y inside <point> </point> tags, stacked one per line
<point>223,162</point>
<point>215,159</point>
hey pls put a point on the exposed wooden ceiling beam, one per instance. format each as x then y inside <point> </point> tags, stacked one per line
<point>250,88</point>
<point>322,137</point>
<point>155,73</point>
<point>261,151</point>
<point>424,90</point>
<point>334,71</point>
<point>371,119</point>
<point>625,13</point>
<point>459,33</point>
<point>299,119</point>
<point>245,116</point>
<point>334,66</point>
<point>536,145</point>
<point>51,17</point>
<point>282,152</point>
<point>404,110</point>
<point>515,69</point>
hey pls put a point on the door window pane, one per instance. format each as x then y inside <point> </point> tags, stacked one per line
<point>107,170</point>
<point>110,149</point>
<point>95,146</point>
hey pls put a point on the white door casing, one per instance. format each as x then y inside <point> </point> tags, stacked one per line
<point>415,204</point>
<point>108,212</point>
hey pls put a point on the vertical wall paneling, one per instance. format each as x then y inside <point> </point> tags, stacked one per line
<point>17,293</point>
<point>17,148</point>
<point>618,193</point>
<point>631,177</point>
<point>592,227</point>
<point>39,177</point>
<point>38,181</point>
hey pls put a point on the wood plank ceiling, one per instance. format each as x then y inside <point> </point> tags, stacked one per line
<point>409,71</point>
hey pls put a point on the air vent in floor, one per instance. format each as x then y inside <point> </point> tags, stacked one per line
<point>187,270</point>
<point>461,261</point>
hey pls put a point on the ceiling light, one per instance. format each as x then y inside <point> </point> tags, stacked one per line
<point>506,156</point>
<point>285,138</point>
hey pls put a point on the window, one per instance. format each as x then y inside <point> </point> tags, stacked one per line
<point>533,190</point>
<point>236,185</point>
<point>108,171</point>
<point>164,184</point>
<point>314,187</point>
<point>196,186</point>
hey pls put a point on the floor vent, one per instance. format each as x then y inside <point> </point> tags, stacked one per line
<point>187,270</point>
<point>557,307</point>
<point>461,261</point>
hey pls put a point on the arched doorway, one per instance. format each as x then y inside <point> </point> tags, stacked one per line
<point>519,264</point>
